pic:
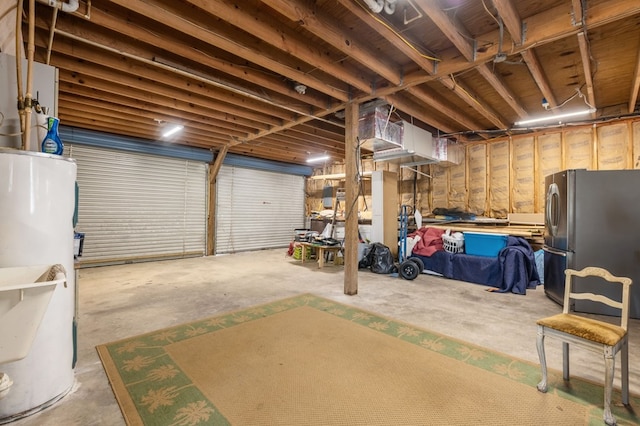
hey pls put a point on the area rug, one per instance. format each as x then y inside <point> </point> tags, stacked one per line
<point>307,360</point>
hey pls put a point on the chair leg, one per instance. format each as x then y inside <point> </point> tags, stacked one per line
<point>565,361</point>
<point>609,365</point>
<point>624,368</point>
<point>542,386</point>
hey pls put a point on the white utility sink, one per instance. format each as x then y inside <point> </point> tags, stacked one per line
<point>25,293</point>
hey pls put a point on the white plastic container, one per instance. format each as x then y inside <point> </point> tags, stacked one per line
<point>25,293</point>
<point>37,201</point>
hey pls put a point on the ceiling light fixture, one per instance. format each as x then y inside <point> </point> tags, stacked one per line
<point>318,159</point>
<point>555,117</point>
<point>172,130</point>
<point>300,88</point>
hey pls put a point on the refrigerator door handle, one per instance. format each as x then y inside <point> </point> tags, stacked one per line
<point>553,209</point>
<point>554,251</point>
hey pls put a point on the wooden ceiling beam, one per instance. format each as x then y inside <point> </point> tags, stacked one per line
<point>455,114</point>
<point>161,15</point>
<point>292,136</point>
<point>84,70</point>
<point>99,126</point>
<point>159,105</point>
<point>453,30</point>
<point>295,144</point>
<point>106,124</point>
<point>458,35</point>
<point>545,31</point>
<point>509,15</point>
<point>268,154</point>
<point>635,86</point>
<point>306,129</point>
<point>97,109</point>
<point>117,121</point>
<point>303,137</point>
<point>283,147</point>
<point>126,66</point>
<point>276,147</point>
<point>424,61</point>
<point>420,59</point>
<point>578,15</point>
<point>280,37</point>
<point>504,92</point>
<point>545,27</point>
<point>260,79</point>
<point>416,111</point>
<point>469,98</point>
<point>315,21</point>
<point>511,19</point>
<point>539,77</point>
<point>585,54</point>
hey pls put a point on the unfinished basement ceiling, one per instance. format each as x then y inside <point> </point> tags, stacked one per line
<point>268,77</point>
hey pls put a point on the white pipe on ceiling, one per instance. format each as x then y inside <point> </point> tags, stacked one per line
<point>390,7</point>
<point>68,6</point>
<point>376,6</point>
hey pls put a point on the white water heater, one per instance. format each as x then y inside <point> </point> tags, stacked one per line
<point>37,205</point>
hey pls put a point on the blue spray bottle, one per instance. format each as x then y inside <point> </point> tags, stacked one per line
<point>52,144</point>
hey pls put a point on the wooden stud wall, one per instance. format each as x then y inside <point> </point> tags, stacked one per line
<point>507,175</point>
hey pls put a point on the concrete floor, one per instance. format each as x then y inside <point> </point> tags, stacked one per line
<point>121,301</point>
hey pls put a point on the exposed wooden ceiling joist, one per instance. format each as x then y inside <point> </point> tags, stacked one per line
<point>229,70</point>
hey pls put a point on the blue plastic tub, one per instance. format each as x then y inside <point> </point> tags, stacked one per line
<point>484,244</point>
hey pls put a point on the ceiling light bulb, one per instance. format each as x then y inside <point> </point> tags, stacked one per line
<point>545,103</point>
<point>172,130</point>
<point>554,117</point>
<point>318,159</point>
<point>300,88</point>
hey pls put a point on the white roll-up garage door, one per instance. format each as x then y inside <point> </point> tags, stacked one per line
<point>257,209</point>
<point>135,207</point>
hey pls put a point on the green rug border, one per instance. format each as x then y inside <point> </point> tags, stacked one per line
<point>133,358</point>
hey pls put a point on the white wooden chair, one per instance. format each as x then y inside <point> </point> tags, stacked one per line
<point>609,339</point>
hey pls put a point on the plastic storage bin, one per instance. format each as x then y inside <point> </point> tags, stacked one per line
<point>484,244</point>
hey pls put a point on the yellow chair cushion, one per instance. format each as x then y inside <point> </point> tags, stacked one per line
<point>586,328</point>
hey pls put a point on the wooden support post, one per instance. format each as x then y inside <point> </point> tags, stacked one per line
<point>214,168</point>
<point>351,200</point>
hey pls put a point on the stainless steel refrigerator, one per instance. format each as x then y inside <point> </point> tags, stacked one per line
<point>592,218</point>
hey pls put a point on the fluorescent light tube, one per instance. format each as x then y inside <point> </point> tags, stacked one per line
<point>172,130</point>
<point>317,159</point>
<point>554,117</point>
